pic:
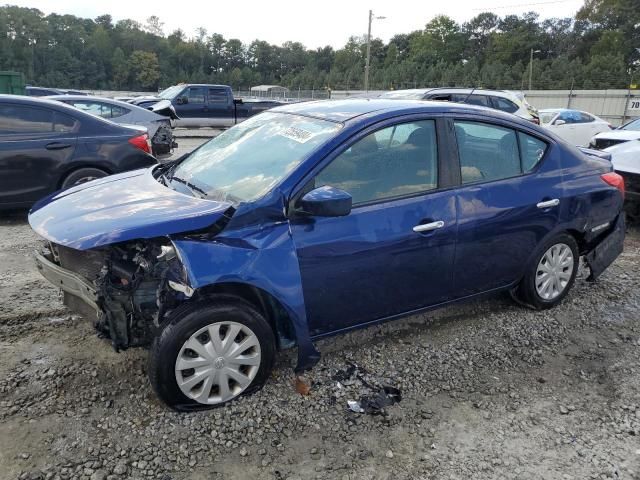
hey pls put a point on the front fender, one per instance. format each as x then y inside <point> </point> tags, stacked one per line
<point>262,257</point>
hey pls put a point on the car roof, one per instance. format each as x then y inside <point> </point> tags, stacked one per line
<point>92,98</point>
<point>200,85</point>
<point>37,101</point>
<point>55,105</point>
<point>344,110</point>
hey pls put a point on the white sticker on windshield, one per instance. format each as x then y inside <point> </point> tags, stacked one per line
<point>296,134</point>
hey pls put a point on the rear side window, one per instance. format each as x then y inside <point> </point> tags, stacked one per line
<point>586,118</point>
<point>532,150</point>
<point>504,105</point>
<point>16,119</point>
<point>100,109</point>
<point>490,152</point>
<point>217,95</point>
<point>65,123</point>
<point>480,100</point>
<point>393,162</point>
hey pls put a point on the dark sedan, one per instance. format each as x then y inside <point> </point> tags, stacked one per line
<point>46,146</point>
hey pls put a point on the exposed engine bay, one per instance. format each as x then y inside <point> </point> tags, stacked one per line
<point>133,286</point>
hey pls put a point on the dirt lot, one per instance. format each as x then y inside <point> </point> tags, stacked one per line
<point>490,390</point>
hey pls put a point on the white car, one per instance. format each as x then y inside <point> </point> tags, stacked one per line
<point>574,126</point>
<point>626,161</point>
<point>628,131</point>
<point>158,126</point>
<point>503,100</point>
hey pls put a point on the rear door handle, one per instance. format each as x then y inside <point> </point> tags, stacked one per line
<point>427,227</point>
<point>57,146</point>
<point>549,203</point>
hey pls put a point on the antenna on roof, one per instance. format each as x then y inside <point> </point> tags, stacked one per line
<point>467,97</point>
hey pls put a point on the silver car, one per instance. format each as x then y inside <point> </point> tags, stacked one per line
<point>158,126</point>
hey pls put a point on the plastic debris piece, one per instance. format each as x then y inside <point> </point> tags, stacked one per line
<point>346,374</point>
<point>355,406</point>
<point>301,385</point>
<point>375,404</point>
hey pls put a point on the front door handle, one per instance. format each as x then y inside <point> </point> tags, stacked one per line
<point>549,203</point>
<point>427,227</point>
<point>56,146</point>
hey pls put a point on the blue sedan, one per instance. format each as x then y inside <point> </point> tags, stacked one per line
<point>317,218</point>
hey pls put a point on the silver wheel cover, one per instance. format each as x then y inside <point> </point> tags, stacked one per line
<point>554,271</point>
<point>218,362</point>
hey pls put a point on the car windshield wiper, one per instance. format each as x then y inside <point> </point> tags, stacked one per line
<point>189,185</point>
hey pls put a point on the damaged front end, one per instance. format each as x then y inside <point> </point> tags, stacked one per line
<point>125,289</point>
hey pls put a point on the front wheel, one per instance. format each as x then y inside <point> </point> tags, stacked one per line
<point>551,273</point>
<point>210,353</point>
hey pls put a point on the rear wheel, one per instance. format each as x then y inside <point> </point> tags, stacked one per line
<point>210,353</point>
<point>551,274</point>
<point>82,175</point>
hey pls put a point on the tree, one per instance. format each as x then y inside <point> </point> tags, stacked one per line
<point>154,26</point>
<point>596,49</point>
<point>145,69</point>
<point>119,69</point>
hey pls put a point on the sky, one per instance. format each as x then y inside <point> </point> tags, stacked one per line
<point>328,22</point>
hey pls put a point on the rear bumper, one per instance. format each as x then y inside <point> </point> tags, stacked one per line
<point>68,281</point>
<point>631,185</point>
<point>607,249</point>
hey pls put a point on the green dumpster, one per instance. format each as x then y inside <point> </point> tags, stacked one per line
<point>12,82</point>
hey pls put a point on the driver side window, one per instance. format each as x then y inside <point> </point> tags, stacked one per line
<point>393,162</point>
<point>195,95</point>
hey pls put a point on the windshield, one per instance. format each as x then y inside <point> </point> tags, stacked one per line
<point>547,117</point>
<point>633,125</point>
<point>171,92</point>
<point>246,161</point>
<point>407,95</point>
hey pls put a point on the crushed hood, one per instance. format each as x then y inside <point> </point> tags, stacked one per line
<point>619,135</point>
<point>119,208</point>
<point>626,156</point>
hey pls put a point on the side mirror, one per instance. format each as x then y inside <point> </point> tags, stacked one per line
<point>182,100</point>
<point>559,122</point>
<point>326,201</point>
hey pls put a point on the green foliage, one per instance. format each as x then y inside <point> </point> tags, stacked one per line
<point>594,50</point>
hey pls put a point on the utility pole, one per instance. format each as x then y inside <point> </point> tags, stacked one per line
<point>368,59</point>
<point>366,64</point>
<point>531,66</point>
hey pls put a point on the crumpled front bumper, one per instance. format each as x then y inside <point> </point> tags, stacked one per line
<point>67,280</point>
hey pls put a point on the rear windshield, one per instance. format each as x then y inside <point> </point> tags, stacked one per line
<point>248,160</point>
<point>403,95</point>
<point>546,117</point>
<point>634,125</point>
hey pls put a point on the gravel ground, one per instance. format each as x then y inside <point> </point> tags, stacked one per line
<point>490,390</point>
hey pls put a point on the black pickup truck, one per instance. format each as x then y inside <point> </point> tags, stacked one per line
<point>203,105</point>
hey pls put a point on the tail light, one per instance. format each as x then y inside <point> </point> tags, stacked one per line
<point>615,180</point>
<point>142,142</point>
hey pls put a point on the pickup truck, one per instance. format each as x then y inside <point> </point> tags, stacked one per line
<point>204,105</point>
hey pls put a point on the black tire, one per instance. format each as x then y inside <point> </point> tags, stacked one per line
<point>82,175</point>
<point>526,292</point>
<point>184,322</point>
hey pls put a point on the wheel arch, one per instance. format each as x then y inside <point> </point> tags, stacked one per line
<point>76,167</point>
<point>268,305</point>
